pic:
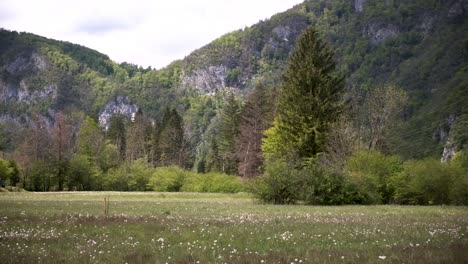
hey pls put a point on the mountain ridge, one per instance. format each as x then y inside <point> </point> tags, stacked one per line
<point>421,46</point>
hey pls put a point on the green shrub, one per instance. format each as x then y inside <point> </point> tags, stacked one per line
<point>133,176</point>
<point>424,182</point>
<point>213,182</point>
<point>459,189</point>
<point>175,179</point>
<point>371,172</point>
<point>279,185</point>
<point>286,183</point>
<point>324,187</point>
<point>167,179</point>
<point>82,174</point>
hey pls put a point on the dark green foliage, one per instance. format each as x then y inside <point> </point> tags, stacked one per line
<point>117,133</point>
<point>280,184</point>
<point>287,183</point>
<point>83,174</point>
<point>139,136</point>
<point>168,140</point>
<point>323,187</point>
<point>309,101</point>
<point>5,171</point>
<point>459,189</point>
<point>14,173</point>
<point>228,134</point>
<point>214,161</point>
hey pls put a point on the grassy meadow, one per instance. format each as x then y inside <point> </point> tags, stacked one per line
<point>222,228</point>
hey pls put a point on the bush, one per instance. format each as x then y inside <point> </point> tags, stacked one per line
<point>213,182</point>
<point>323,187</point>
<point>133,176</point>
<point>279,185</point>
<point>167,179</point>
<point>175,179</point>
<point>5,171</point>
<point>371,172</point>
<point>82,174</point>
<point>424,182</point>
<point>285,183</point>
<point>459,189</point>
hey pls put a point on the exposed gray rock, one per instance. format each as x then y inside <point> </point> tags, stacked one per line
<point>379,34</point>
<point>18,65</point>
<point>24,63</point>
<point>39,61</point>
<point>458,8</point>
<point>450,149</point>
<point>449,152</point>
<point>359,5</point>
<point>206,80</point>
<point>121,105</point>
<point>25,95</point>
<point>426,25</point>
<point>282,32</point>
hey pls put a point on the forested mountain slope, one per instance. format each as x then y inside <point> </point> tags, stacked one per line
<point>418,45</point>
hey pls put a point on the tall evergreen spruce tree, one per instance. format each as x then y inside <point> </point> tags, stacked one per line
<point>309,101</point>
<point>169,140</point>
<point>228,133</point>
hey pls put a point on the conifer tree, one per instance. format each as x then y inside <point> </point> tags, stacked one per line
<point>138,137</point>
<point>228,134</point>
<point>309,101</point>
<point>169,140</point>
<point>117,133</point>
<point>255,118</point>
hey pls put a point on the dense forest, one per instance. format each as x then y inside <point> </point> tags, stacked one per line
<point>330,102</point>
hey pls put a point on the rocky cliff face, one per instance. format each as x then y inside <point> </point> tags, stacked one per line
<point>121,105</point>
<point>206,80</point>
<point>359,5</point>
<point>17,87</point>
<point>378,33</point>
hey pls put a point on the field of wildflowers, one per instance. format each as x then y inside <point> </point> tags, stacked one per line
<point>222,228</point>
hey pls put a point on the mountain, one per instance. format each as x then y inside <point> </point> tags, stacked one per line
<point>419,45</point>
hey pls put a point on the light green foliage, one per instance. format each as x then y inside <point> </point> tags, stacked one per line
<point>213,182</point>
<point>371,172</point>
<point>175,179</point>
<point>5,170</point>
<point>90,138</point>
<point>425,182</point>
<point>109,157</point>
<point>168,179</point>
<point>133,176</point>
<point>83,174</point>
<point>459,189</point>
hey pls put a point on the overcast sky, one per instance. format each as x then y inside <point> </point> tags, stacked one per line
<point>144,32</point>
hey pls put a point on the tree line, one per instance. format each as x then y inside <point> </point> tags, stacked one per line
<point>308,139</point>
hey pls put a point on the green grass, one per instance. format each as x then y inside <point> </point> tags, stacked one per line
<point>221,228</point>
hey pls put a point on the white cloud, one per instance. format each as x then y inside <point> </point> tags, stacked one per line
<point>145,32</point>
